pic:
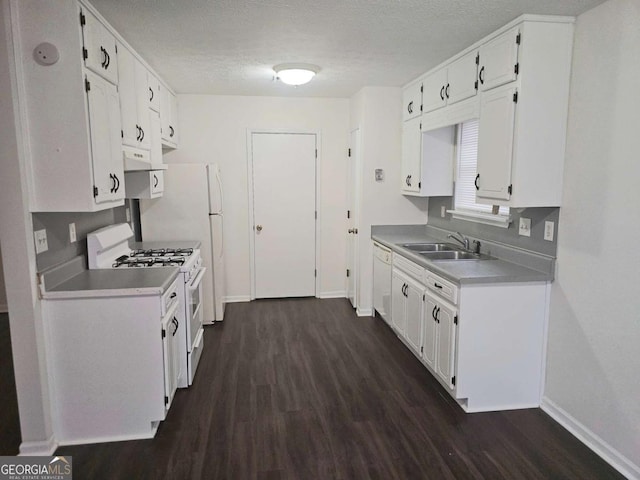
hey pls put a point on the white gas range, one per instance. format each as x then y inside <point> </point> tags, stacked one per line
<point>109,247</point>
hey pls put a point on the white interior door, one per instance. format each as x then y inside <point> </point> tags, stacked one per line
<point>284,218</point>
<point>352,222</point>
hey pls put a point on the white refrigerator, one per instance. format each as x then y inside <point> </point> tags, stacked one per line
<point>191,208</point>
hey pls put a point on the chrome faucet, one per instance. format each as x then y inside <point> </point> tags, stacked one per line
<point>461,239</point>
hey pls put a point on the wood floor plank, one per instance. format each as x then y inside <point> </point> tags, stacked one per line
<point>305,389</point>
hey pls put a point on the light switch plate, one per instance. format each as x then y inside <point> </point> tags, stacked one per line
<point>40,237</point>
<point>549,228</point>
<point>72,232</point>
<point>525,227</point>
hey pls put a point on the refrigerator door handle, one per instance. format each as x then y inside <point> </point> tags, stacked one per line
<point>219,180</point>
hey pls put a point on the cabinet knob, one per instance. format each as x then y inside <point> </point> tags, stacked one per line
<point>258,228</point>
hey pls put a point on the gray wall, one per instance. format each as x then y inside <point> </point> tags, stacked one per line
<point>509,236</point>
<point>57,226</point>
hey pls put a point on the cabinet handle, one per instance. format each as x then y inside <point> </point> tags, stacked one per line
<point>176,324</point>
<point>475,182</point>
<point>155,181</point>
<point>437,285</point>
<point>103,55</point>
<point>113,183</point>
<point>446,91</point>
<point>433,313</point>
<point>173,295</point>
<point>151,92</point>
<point>410,107</point>
<point>481,76</point>
<point>138,130</point>
<point>409,180</point>
<point>172,131</point>
<point>117,184</point>
<point>442,93</point>
<point>438,315</point>
<point>141,134</point>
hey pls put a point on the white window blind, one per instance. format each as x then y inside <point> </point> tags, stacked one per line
<point>465,189</point>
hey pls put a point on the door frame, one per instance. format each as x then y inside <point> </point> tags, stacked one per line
<point>250,182</point>
<point>355,186</point>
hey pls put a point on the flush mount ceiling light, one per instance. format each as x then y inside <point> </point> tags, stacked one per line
<point>295,73</point>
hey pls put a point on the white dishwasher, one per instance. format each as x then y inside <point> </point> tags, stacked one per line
<point>382,281</point>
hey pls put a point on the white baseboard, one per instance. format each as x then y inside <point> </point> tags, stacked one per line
<point>618,461</point>
<point>364,312</point>
<point>338,294</point>
<point>237,299</point>
<point>44,448</point>
<point>4,308</point>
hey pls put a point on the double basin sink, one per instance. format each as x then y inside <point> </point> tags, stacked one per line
<point>443,251</point>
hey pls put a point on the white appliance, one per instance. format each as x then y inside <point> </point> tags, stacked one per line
<point>382,281</point>
<point>108,247</point>
<point>192,207</point>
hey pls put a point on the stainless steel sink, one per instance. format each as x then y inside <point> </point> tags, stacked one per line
<point>430,247</point>
<point>453,255</point>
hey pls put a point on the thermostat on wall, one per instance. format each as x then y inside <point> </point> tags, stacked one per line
<point>379,175</point>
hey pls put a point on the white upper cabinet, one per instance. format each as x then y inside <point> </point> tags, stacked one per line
<point>499,60</point>
<point>104,128</point>
<point>434,90</point>
<point>168,117</point>
<point>451,84</point>
<point>522,129</point>
<point>412,101</point>
<point>154,92</point>
<point>99,49</point>
<point>495,143</point>
<point>462,78</point>
<point>134,100</point>
<point>411,148</point>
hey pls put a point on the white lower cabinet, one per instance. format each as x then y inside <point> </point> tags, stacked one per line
<point>483,342</point>
<point>112,364</point>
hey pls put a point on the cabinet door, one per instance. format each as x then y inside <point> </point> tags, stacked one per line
<point>498,60</point>
<point>128,100</point>
<point>413,327</point>
<point>99,48</point>
<point>157,182</point>
<point>412,101</point>
<point>398,284</point>
<point>446,344</point>
<point>169,352</point>
<point>142,105</point>
<point>429,331</point>
<point>155,140</point>
<point>154,92</point>
<point>434,91</point>
<point>495,144</point>
<point>438,153</point>
<point>411,155</point>
<point>104,129</point>
<point>462,78</point>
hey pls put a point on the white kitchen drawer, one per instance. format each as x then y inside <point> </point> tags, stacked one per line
<point>442,287</point>
<point>407,266</point>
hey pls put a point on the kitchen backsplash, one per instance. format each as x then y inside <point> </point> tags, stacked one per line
<point>509,236</point>
<point>57,226</point>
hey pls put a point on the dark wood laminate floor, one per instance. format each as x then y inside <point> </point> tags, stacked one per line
<point>303,389</point>
<point>9,420</point>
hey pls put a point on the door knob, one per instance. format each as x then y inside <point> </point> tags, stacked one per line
<point>258,228</point>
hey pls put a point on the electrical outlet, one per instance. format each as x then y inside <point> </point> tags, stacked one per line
<point>127,212</point>
<point>40,237</point>
<point>525,227</point>
<point>548,231</point>
<point>443,211</point>
<point>72,232</point>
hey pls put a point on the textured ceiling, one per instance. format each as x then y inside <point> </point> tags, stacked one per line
<point>228,47</point>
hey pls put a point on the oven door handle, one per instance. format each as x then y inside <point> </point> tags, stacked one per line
<point>196,281</point>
